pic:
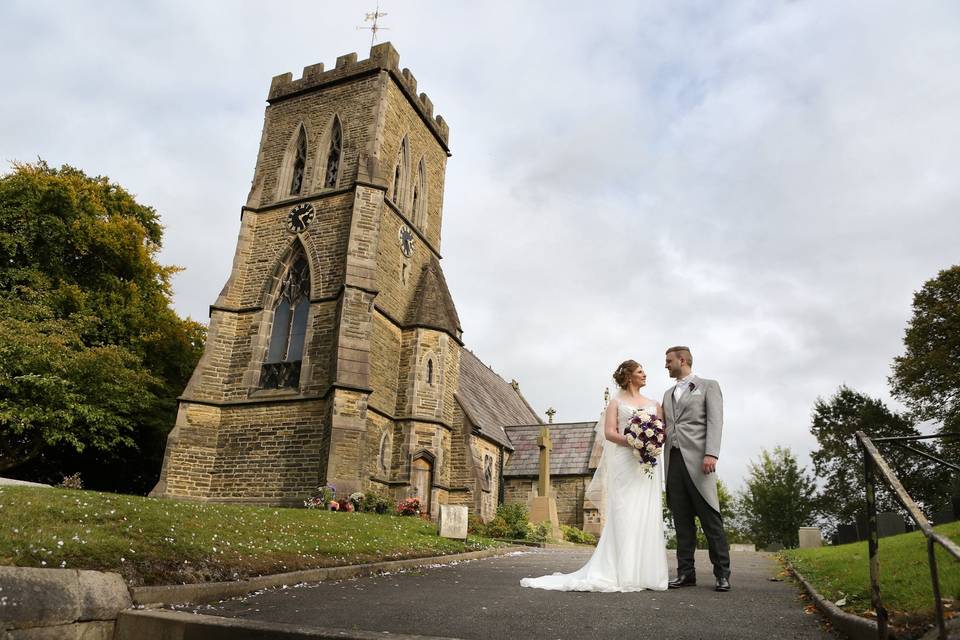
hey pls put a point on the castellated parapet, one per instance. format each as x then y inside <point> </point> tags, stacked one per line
<point>383,57</point>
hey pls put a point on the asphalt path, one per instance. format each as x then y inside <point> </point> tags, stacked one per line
<point>483,599</point>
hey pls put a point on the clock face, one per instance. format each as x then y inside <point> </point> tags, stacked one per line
<point>406,240</point>
<point>300,216</point>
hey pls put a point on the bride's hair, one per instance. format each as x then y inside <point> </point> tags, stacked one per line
<point>622,375</point>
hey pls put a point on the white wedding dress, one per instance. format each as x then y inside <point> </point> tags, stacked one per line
<point>631,554</point>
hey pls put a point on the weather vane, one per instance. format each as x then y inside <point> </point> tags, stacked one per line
<point>374,17</point>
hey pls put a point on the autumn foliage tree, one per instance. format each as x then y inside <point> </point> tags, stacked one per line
<point>92,356</point>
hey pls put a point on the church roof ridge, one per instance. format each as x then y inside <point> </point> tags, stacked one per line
<point>490,402</point>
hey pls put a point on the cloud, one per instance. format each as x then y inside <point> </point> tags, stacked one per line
<point>767,183</point>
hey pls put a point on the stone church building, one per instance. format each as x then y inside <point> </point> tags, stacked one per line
<point>334,351</point>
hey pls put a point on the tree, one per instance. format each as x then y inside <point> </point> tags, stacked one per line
<point>838,462</point>
<point>728,511</point>
<point>927,376</point>
<point>778,499</point>
<point>93,356</point>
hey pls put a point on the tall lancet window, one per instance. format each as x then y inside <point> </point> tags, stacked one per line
<point>396,183</point>
<point>333,156</point>
<point>419,205</point>
<point>299,163</point>
<point>282,366</point>
<point>400,177</point>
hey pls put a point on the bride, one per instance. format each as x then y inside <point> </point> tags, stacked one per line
<point>631,554</point>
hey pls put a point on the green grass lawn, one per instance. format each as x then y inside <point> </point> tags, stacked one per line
<point>151,541</point>
<point>843,571</point>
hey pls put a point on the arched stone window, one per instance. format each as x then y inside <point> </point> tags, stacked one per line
<point>398,193</point>
<point>383,458</point>
<point>333,155</point>
<point>418,207</point>
<point>488,471</point>
<point>299,163</point>
<point>281,368</point>
<point>430,372</point>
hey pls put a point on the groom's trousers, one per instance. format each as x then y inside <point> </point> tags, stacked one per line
<point>685,502</point>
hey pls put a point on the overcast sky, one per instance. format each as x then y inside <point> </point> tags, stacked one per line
<point>766,182</point>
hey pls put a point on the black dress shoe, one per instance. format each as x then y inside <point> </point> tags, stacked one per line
<point>683,580</point>
<point>723,584</point>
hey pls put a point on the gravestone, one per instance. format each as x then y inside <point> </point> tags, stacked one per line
<point>847,533</point>
<point>810,537</point>
<point>452,522</point>
<point>943,516</point>
<point>890,524</point>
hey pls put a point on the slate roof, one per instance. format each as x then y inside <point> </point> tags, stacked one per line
<point>490,402</point>
<point>570,455</point>
<point>433,305</point>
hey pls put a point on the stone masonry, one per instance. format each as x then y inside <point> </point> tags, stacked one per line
<point>370,388</point>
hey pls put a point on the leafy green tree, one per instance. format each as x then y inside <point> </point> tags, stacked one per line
<point>94,356</point>
<point>838,460</point>
<point>927,376</point>
<point>729,511</point>
<point>778,499</point>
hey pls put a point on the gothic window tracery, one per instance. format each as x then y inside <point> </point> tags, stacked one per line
<point>285,352</point>
<point>299,163</point>
<point>333,156</point>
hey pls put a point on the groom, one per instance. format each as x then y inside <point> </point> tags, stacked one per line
<point>693,409</point>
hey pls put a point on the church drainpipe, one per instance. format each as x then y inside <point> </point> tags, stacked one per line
<point>500,480</point>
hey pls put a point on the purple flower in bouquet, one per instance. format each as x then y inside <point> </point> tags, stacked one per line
<point>645,433</point>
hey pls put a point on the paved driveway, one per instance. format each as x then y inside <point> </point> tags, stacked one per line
<point>483,599</point>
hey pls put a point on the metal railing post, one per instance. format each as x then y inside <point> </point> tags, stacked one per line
<point>873,546</point>
<point>935,576</point>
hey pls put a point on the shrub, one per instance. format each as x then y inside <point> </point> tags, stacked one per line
<point>409,507</point>
<point>322,499</point>
<point>72,482</point>
<point>498,528</point>
<point>356,499</point>
<point>375,502</point>
<point>476,526</point>
<point>539,532</point>
<point>579,536</point>
<point>515,515</point>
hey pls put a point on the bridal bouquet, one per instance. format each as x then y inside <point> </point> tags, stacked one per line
<point>645,433</point>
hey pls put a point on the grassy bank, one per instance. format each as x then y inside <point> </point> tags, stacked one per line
<point>152,541</point>
<point>842,573</point>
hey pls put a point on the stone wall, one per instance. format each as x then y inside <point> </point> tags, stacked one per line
<point>568,491</point>
<point>60,603</point>
<point>364,380</point>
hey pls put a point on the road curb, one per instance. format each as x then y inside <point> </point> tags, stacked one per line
<point>213,591</point>
<point>852,626</point>
<point>162,625</point>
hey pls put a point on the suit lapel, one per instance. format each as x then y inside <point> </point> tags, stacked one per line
<point>684,397</point>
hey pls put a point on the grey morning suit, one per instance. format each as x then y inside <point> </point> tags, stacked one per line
<point>694,425</point>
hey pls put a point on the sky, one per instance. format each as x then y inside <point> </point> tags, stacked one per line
<point>766,182</point>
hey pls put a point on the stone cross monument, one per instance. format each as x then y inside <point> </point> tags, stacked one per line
<point>543,506</point>
<point>543,441</point>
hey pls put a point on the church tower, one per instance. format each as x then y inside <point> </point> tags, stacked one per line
<point>333,352</point>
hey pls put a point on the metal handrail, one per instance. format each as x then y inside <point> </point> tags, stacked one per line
<point>874,463</point>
